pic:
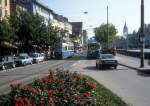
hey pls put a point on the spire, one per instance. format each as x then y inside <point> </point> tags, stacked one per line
<point>125,29</point>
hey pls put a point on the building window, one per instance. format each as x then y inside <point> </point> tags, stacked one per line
<point>5,2</point>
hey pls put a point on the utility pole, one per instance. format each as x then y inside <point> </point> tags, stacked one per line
<point>142,34</point>
<point>107,30</point>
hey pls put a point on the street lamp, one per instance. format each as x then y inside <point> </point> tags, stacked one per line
<point>142,34</point>
<point>107,30</point>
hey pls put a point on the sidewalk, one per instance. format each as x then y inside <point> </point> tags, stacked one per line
<point>133,62</point>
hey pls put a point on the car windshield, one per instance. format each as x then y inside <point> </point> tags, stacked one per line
<point>107,56</point>
<point>1,59</point>
<point>22,57</point>
<point>34,55</point>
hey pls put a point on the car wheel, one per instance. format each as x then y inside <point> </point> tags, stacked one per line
<point>24,64</point>
<point>100,66</point>
<point>3,67</point>
<point>115,67</point>
<point>13,65</point>
<point>96,66</point>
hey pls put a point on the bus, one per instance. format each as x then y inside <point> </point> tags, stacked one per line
<point>93,50</point>
<point>65,51</point>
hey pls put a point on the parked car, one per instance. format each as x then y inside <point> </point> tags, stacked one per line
<point>37,57</point>
<point>107,60</point>
<point>23,59</point>
<point>7,62</point>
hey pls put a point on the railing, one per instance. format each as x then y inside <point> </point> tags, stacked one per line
<point>133,53</point>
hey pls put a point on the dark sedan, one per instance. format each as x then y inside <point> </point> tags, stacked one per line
<point>106,60</point>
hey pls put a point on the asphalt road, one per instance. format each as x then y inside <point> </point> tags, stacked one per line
<point>131,86</point>
<point>30,72</point>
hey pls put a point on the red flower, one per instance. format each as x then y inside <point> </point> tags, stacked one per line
<point>86,94</point>
<point>50,92</point>
<point>41,104</point>
<point>34,105</point>
<point>20,85</point>
<point>19,102</point>
<point>26,101</point>
<point>77,98</point>
<point>32,91</point>
<point>91,85</point>
<point>51,101</point>
<point>66,97</point>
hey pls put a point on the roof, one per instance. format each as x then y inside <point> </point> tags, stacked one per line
<point>43,6</point>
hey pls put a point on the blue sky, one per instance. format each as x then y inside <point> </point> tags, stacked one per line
<point>119,12</point>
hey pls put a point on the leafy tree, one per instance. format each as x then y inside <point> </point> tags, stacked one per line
<point>29,30</point>
<point>6,31</point>
<point>38,30</point>
<point>101,33</point>
<point>14,23</point>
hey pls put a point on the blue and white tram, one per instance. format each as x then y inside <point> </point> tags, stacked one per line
<point>65,51</point>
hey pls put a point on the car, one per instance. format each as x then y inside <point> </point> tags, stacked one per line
<point>23,59</point>
<point>7,62</point>
<point>107,60</point>
<point>37,57</point>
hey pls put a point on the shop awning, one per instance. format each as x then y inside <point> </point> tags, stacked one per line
<point>6,44</point>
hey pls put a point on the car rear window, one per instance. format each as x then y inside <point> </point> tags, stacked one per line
<point>107,56</point>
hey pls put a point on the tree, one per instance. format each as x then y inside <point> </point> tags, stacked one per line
<point>30,31</point>
<point>101,33</point>
<point>6,31</point>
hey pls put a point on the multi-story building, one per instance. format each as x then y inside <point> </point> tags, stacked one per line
<point>43,11</point>
<point>8,7</point>
<point>4,8</point>
<point>85,38</point>
<point>77,34</point>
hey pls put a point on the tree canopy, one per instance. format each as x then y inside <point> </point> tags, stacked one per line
<point>29,30</point>
<point>101,33</point>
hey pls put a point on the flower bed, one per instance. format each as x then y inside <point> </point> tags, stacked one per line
<point>59,88</point>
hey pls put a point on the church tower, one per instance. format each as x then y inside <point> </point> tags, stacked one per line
<point>125,30</point>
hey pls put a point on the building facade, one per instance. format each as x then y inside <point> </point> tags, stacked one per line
<point>85,38</point>
<point>4,8</point>
<point>77,35</point>
<point>8,7</point>
<point>125,30</point>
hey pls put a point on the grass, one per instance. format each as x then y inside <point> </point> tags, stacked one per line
<point>104,97</point>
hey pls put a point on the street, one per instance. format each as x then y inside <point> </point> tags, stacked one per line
<point>28,73</point>
<point>131,86</point>
<point>128,84</point>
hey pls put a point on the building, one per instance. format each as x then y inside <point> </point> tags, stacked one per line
<point>125,34</point>
<point>77,34</point>
<point>43,11</point>
<point>4,8</point>
<point>85,38</point>
<point>77,29</point>
<point>8,7</point>
<point>125,30</point>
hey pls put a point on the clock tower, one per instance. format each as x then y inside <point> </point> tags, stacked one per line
<point>125,30</point>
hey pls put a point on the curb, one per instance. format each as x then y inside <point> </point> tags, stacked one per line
<point>146,71</point>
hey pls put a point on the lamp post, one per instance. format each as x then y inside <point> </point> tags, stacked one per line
<point>142,34</point>
<point>107,30</point>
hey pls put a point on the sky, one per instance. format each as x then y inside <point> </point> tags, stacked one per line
<point>120,11</point>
